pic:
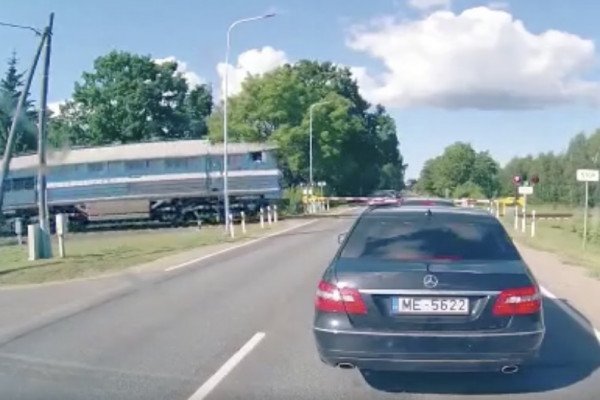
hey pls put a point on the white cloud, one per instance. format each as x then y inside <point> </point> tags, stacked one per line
<point>191,77</point>
<point>250,62</point>
<point>480,58</point>
<point>429,4</point>
<point>54,106</point>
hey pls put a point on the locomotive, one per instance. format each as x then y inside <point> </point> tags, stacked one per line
<point>172,181</point>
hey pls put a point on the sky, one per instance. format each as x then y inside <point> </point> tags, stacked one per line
<point>512,77</point>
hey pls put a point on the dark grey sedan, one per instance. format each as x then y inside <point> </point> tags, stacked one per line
<point>428,289</point>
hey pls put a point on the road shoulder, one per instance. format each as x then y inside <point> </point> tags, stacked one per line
<point>571,284</point>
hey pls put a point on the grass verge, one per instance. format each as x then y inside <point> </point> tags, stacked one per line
<point>92,254</point>
<point>563,238</point>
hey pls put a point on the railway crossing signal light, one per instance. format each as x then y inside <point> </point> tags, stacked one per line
<point>535,179</point>
<point>517,180</point>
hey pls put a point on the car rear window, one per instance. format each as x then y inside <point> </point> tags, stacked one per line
<point>384,193</point>
<point>427,202</point>
<point>411,236</point>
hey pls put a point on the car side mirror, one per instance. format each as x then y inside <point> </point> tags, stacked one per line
<point>341,237</point>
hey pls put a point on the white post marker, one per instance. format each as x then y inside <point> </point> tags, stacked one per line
<point>587,176</point>
<point>269,220</point>
<point>19,230</point>
<point>533,223</point>
<point>497,209</point>
<point>275,216</point>
<point>525,191</point>
<point>33,238</point>
<point>262,218</point>
<point>61,230</point>
<point>231,227</point>
<point>243,214</point>
<point>516,217</point>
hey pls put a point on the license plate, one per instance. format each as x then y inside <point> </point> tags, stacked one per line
<point>431,305</point>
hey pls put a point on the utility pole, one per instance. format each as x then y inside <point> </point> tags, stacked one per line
<point>10,142</point>
<point>42,139</point>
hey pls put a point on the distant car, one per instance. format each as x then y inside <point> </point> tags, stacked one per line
<point>383,197</point>
<point>428,289</point>
<point>426,201</point>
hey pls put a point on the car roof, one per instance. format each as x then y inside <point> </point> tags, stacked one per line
<point>415,209</point>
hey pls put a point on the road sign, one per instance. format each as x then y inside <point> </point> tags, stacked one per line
<point>588,175</point>
<point>525,190</point>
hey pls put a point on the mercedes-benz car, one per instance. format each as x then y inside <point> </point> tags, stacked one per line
<point>428,289</point>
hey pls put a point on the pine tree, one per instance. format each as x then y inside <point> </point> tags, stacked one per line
<point>10,90</point>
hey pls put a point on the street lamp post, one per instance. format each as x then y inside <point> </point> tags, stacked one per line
<point>225,93</point>
<point>310,145</point>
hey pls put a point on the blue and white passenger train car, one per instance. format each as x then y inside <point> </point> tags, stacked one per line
<point>174,180</point>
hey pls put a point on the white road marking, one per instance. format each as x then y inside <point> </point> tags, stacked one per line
<point>244,244</point>
<point>578,318</point>
<point>548,293</point>
<point>226,368</point>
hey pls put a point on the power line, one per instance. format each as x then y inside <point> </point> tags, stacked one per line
<point>30,28</point>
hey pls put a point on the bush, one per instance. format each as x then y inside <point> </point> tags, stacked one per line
<point>292,201</point>
<point>470,190</point>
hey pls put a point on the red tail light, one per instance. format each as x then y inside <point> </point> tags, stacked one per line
<point>332,299</point>
<point>519,301</point>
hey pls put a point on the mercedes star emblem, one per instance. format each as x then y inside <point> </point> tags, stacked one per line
<point>430,281</point>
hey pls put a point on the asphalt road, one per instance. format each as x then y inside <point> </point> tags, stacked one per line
<point>237,326</point>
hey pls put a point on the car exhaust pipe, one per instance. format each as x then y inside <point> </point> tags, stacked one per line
<point>346,366</point>
<point>510,369</point>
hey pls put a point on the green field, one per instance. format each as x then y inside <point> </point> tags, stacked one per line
<point>563,237</point>
<point>91,254</point>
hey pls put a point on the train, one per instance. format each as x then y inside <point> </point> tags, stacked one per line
<point>170,181</point>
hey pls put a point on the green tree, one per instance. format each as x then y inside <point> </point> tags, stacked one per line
<point>460,171</point>
<point>485,174</point>
<point>356,149</point>
<point>130,98</point>
<point>557,171</point>
<point>198,106</point>
<point>10,90</point>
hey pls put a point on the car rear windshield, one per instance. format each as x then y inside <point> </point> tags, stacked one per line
<point>427,202</point>
<point>384,193</point>
<point>424,236</point>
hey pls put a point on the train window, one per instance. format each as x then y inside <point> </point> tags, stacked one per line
<point>257,156</point>
<point>176,163</point>
<point>215,163</point>
<point>136,165</point>
<point>22,184</point>
<point>95,167</point>
<point>236,161</point>
<point>7,185</point>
